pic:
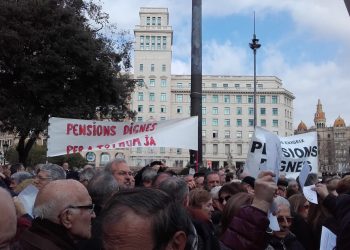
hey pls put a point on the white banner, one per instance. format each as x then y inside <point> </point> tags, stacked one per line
<point>294,151</point>
<point>72,135</point>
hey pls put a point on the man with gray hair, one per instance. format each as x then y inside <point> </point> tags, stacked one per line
<point>18,177</point>
<point>121,172</point>
<point>63,211</point>
<point>86,175</point>
<point>176,188</point>
<point>47,173</point>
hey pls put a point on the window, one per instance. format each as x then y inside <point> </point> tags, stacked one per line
<point>142,39</point>
<point>140,108</point>
<point>159,22</point>
<point>141,67</point>
<point>214,85</point>
<point>204,98</point>
<point>204,122</point>
<point>163,97</point>
<point>237,85</point>
<point>274,123</point>
<point>274,111</point>
<point>204,110</point>
<point>139,150</point>
<point>251,122</point>
<point>251,111</point>
<point>262,99</point>
<point>239,149</point>
<point>152,82</point>
<point>140,96</point>
<point>139,119</point>
<point>147,42</point>
<point>239,110</point>
<point>178,151</point>
<point>153,20</point>
<point>215,134</point>
<point>227,122</point>
<point>260,86</point>
<point>250,99</point>
<point>204,133</point>
<point>162,118</point>
<point>225,85</point>
<point>148,20</point>
<point>152,67</point>
<point>152,97</point>
<point>227,149</point>
<point>153,40</point>
<point>164,42</point>
<point>226,110</point>
<point>226,99</point>
<point>179,110</point>
<point>163,83</point>
<point>179,85</point>
<point>162,109</point>
<point>162,150</point>
<point>215,98</point>
<point>239,134</point>
<point>151,108</point>
<point>249,86</point>
<point>227,134</point>
<point>204,148</point>
<point>239,99</point>
<point>215,110</point>
<point>262,111</point>
<point>215,149</point>
<point>215,122</point>
<point>263,123</point>
<point>179,98</point>
<point>250,134</point>
<point>239,122</point>
<point>163,67</point>
<point>159,38</point>
<point>274,99</point>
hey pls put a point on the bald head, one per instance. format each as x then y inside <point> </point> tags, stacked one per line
<point>58,195</point>
<point>8,218</point>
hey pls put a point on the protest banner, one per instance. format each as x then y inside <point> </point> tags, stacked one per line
<point>294,151</point>
<point>72,135</point>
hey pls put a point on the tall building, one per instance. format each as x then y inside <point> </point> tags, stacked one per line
<point>333,142</point>
<point>227,107</point>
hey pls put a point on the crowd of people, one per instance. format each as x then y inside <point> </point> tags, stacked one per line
<point>155,208</point>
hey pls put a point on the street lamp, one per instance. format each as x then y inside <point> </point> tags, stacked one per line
<point>5,147</point>
<point>254,45</point>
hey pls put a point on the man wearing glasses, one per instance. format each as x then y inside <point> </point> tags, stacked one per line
<point>48,172</point>
<point>63,211</point>
<point>121,172</point>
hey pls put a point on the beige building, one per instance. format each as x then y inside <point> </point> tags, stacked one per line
<point>227,106</point>
<point>333,142</point>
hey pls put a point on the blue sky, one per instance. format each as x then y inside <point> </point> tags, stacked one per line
<point>306,43</point>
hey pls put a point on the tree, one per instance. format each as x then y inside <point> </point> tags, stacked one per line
<point>54,62</point>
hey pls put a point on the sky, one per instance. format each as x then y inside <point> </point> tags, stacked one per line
<point>305,43</point>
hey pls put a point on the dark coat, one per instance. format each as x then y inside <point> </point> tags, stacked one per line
<point>247,230</point>
<point>205,230</point>
<point>343,220</point>
<point>302,231</point>
<point>290,242</point>
<point>45,235</point>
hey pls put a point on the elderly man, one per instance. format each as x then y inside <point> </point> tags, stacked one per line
<point>63,211</point>
<point>144,219</point>
<point>8,219</point>
<point>211,179</point>
<point>48,172</point>
<point>121,172</point>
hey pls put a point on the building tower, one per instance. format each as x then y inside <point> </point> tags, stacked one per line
<point>320,117</point>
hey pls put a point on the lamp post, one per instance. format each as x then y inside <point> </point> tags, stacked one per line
<point>5,147</point>
<point>254,45</point>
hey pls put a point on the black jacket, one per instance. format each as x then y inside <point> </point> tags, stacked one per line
<point>290,242</point>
